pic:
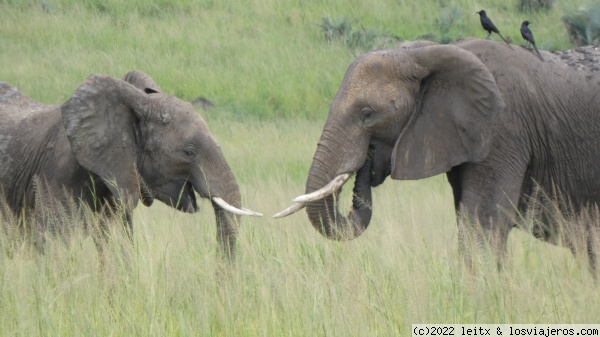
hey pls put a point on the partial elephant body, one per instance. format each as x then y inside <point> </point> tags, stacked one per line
<point>511,132</point>
<point>38,166</point>
<point>543,148</point>
<point>548,133</point>
<point>36,146</point>
<point>111,143</point>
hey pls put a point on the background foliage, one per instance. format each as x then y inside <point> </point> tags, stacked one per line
<point>232,52</point>
<point>583,25</point>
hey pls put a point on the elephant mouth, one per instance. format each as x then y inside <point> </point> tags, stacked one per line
<point>187,201</point>
<point>322,204</point>
<point>374,170</point>
<point>180,196</point>
<point>366,176</point>
<point>380,156</point>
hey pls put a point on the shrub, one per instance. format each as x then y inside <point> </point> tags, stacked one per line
<point>341,31</point>
<point>583,25</point>
<point>450,18</point>
<point>534,5</point>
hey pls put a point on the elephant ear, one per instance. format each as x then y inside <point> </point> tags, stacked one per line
<point>142,81</point>
<point>456,109</point>
<point>99,120</point>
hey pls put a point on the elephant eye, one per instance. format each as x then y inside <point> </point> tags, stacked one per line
<point>365,115</point>
<point>190,151</point>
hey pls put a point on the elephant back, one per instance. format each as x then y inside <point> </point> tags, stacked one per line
<point>14,103</point>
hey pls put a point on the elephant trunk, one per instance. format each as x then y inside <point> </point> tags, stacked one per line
<point>324,214</point>
<point>228,223</point>
<point>227,229</point>
<point>219,184</point>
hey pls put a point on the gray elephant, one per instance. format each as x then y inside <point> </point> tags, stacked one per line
<point>508,130</point>
<point>112,143</point>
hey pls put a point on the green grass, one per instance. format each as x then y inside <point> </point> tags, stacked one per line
<point>264,58</point>
<point>288,279</point>
<point>272,76</point>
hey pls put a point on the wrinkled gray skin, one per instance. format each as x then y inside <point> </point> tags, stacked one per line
<point>495,120</point>
<point>110,143</point>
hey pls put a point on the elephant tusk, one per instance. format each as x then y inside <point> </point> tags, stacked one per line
<point>290,210</point>
<point>328,189</point>
<point>251,211</point>
<point>234,210</point>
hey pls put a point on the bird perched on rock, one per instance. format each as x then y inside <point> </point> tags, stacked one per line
<point>488,25</point>
<point>528,36</point>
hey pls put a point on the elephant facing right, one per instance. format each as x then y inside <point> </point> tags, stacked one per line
<point>112,144</point>
<point>510,132</point>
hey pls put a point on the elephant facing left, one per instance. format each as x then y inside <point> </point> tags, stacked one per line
<point>111,144</point>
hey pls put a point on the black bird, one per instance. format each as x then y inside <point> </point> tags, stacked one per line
<point>488,25</point>
<point>528,36</point>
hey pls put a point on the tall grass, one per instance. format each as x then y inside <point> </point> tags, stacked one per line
<point>272,75</point>
<point>288,279</point>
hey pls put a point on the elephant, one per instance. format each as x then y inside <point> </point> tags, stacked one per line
<point>111,144</point>
<point>510,132</point>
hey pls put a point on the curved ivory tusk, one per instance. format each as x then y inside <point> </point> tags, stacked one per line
<point>328,189</point>
<point>234,210</point>
<point>290,210</point>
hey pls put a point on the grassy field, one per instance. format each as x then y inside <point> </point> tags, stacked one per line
<point>272,76</point>
<point>265,58</point>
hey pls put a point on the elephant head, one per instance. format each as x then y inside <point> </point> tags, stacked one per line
<point>140,141</point>
<point>407,112</point>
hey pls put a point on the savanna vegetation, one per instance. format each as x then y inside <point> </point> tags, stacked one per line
<point>271,68</point>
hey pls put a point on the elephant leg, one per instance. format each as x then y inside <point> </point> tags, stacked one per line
<point>53,219</point>
<point>486,210</point>
<point>592,255</point>
<point>478,236</point>
<point>482,241</point>
<point>593,237</point>
<point>110,213</point>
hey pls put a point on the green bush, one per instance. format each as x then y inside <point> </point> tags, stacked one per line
<point>450,18</point>
<point>583,25</point>
<point>361,40</point>
<point>534,5</point>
